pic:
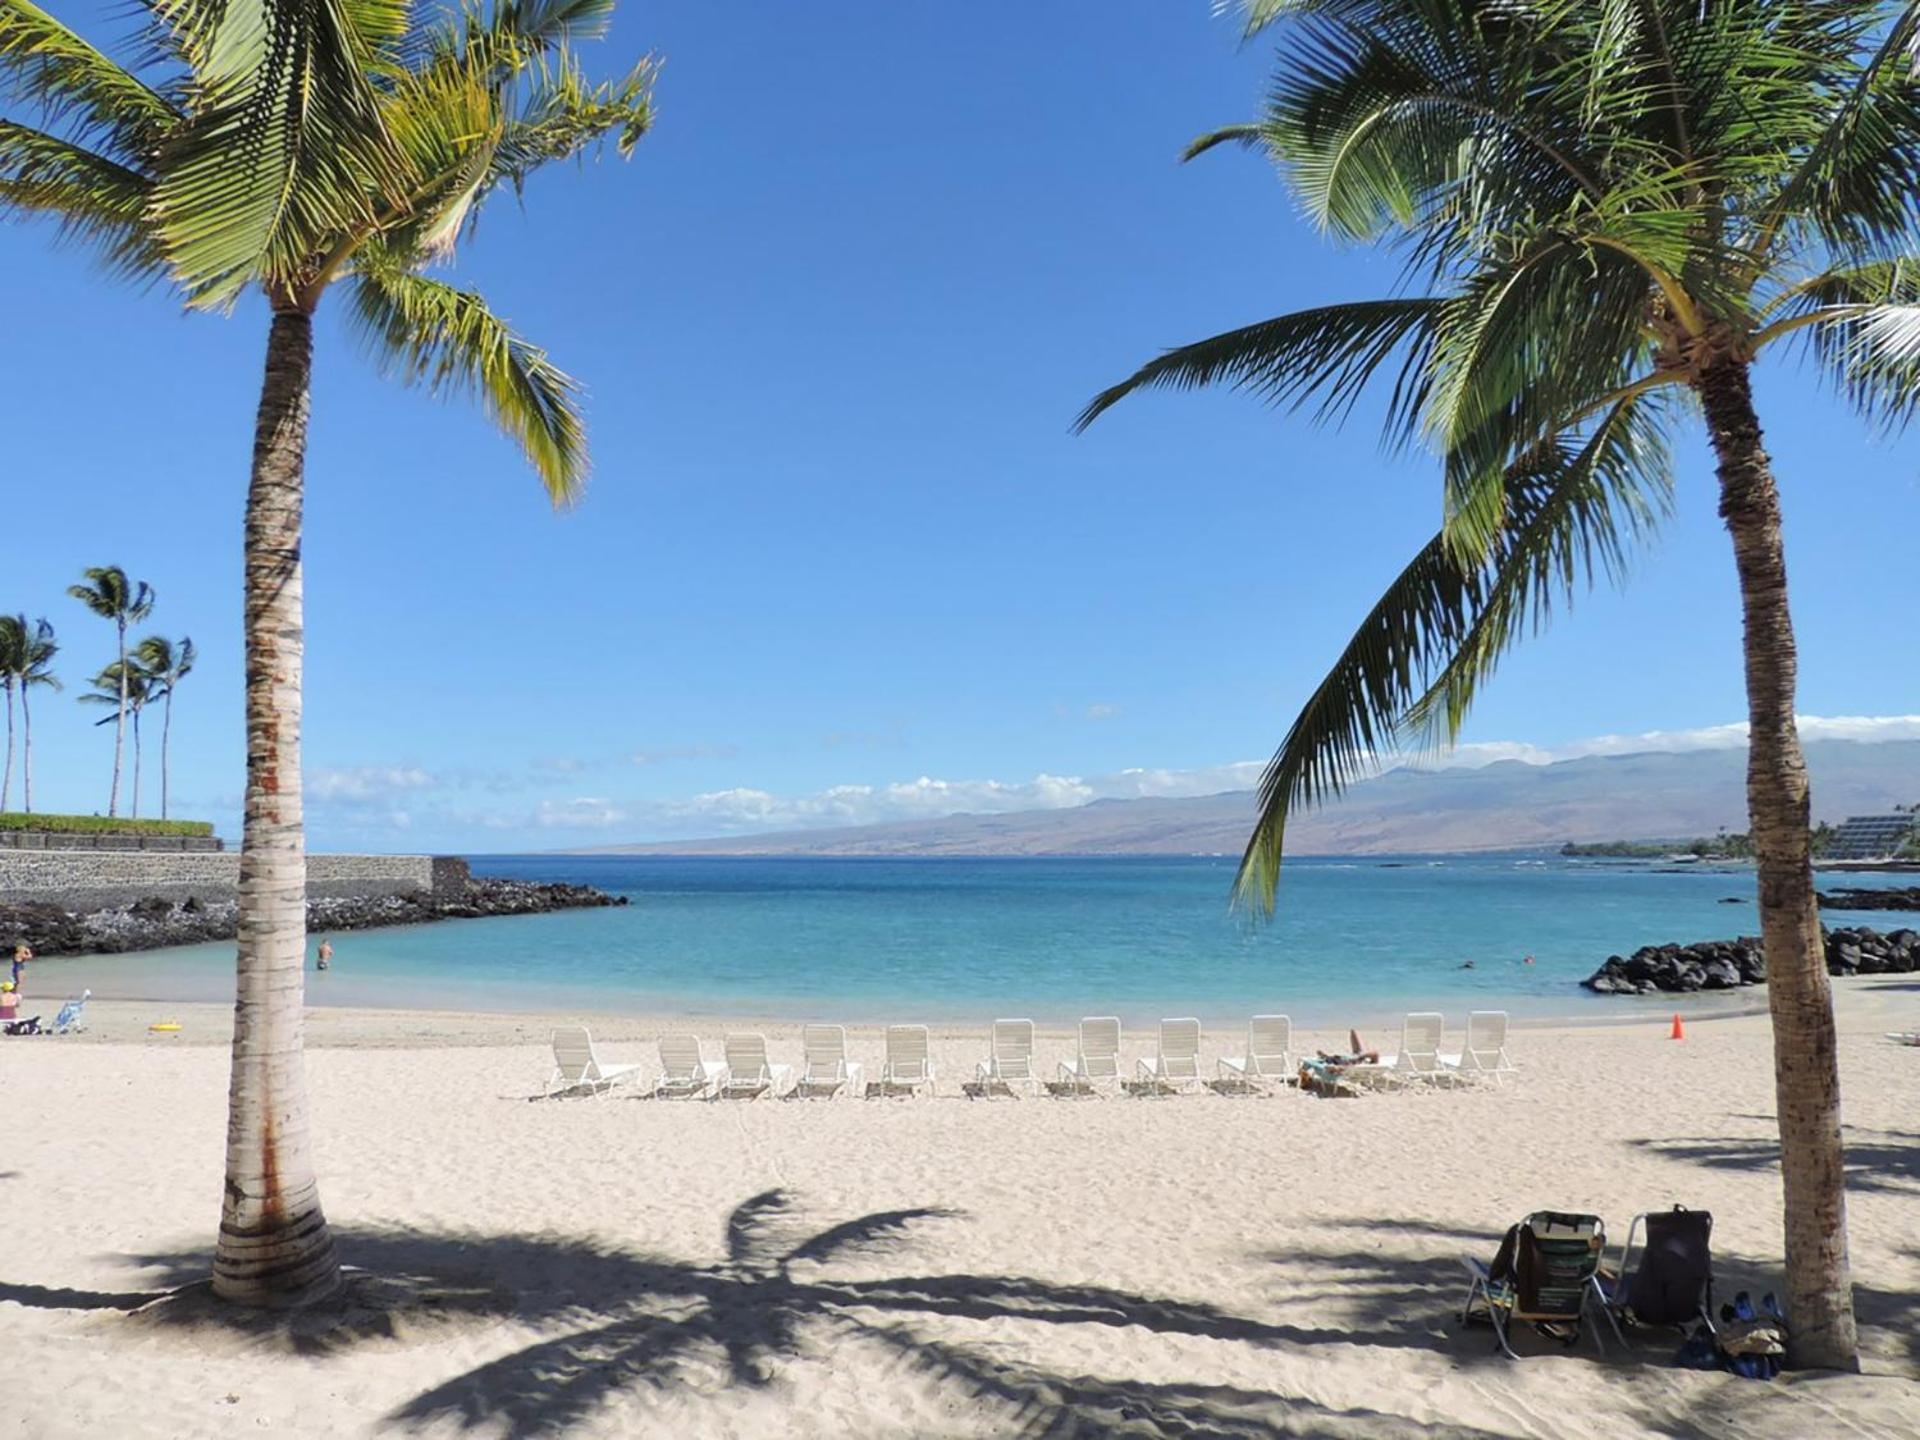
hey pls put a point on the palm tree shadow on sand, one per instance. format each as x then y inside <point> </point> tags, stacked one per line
<point>628,1322</point>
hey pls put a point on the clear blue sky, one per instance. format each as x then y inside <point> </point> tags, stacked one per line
<point>835,317</point>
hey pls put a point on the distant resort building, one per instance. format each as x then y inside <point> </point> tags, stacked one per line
<point>1871,837</point>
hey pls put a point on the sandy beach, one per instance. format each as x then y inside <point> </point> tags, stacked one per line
<point>1194,1265</point>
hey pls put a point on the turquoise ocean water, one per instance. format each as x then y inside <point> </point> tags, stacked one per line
<point>967,939</point>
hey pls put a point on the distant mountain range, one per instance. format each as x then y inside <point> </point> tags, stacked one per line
<point>1509,805</point>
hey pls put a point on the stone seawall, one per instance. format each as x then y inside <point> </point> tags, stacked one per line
<point>83,880</point>
<point>64,840</point>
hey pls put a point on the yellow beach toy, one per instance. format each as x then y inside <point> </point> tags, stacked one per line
<point>163,1027</point>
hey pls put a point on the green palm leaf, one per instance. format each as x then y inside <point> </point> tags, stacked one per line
<point>433,334</point>
<point>98,202</point>
<point>70,83</point>
<point>1330,352</point>
<point>1418,657</point>
<point>285,146</point>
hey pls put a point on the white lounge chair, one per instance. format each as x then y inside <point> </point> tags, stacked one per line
<point>747,1073</point>
<point>827,1070</point>
<point>577,1067</point>
<point>683,1074</point>
<point>1177,1061</point>
<point>1419,1055</point>
<point>1269,1059</point>
<point>1485,1055</point>
<point>1096,1059</point>
<point>1009,1059</point>
<point>909,1062</point>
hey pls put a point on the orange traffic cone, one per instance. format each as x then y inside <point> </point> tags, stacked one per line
<point>1679,1030</point>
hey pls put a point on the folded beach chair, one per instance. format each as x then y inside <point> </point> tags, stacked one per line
<point>1096,1057</point>
<point>577,1067</point>
<point>1543,1275</point>
<point>1672,1283</point>
<point>1177,1061</point>
<point>683,1074</point>
<point>1485,1055</point>
<point>68,1020</point>
<point>1009,1059</point>
<point>909,1062</point>
<point>747,1073</point>
<point>1269,1058</point>
<point>827,1070</point>
<point>1419,1058</point>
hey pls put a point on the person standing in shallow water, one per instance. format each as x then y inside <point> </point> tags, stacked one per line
<point>324,960</point>
<point>22,953</point>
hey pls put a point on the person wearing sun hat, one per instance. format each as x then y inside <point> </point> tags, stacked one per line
<point>9,1003</point>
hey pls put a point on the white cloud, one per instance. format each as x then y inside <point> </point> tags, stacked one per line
<point>388,796</point>
<point>583,812</point>
<point>1867,728</point>
<point>1102,711</point>
<point>362,783</point>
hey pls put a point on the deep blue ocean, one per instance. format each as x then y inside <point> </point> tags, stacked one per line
<point>967,939</point>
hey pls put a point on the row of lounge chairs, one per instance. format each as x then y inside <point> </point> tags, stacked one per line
<point>1266,1061</point>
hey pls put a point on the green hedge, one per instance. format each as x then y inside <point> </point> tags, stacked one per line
<point>101,825</point>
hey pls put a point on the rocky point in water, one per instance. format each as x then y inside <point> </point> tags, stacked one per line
<point>1852,899</point>
<point>1728,964</point>
<point>155,921</point>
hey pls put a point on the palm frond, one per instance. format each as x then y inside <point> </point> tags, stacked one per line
<point>1442,624</point>
<point>97,202</point>
<point>285,144</point>
<point>562,114</point>
<point>1330,352</point>
<point>430,333</point>
<point>73,87</point>
<point>1519,356</point>
<point>1858,183</point>
<point>1862,323</point>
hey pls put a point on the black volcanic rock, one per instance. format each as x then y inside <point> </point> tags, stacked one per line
<point>1727,964</point>
<point>154,921</point>
<point>1858,899</point>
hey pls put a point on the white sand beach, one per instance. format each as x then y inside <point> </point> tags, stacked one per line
<point>1194,1265</point>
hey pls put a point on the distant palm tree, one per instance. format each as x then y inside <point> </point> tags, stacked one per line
<point>127,687</point>
<point>1612,209</point>
<point>13,649</point>
<point>109,594</point>
<point>166,665</point>
<point>288,146</point>
<point>26,660</point>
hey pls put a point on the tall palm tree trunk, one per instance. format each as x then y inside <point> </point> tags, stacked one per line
<point>1806,1072</point>
<point>119,722</point>
<point>274,1245</point>
<point>26,751</point>
<point>136,764</point>
<point>166,744</point>
<point>6,783</point>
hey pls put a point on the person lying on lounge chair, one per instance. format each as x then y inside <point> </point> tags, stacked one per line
<point>1358,1054</point>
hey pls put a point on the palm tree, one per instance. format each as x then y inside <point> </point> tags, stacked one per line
<point>1609,211</point>
<point>127,687</point>
<point>13,646</point>
<point>26,660</point>
<point>166,665</point>
<point>109,594</point>
<point>289,147</point>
